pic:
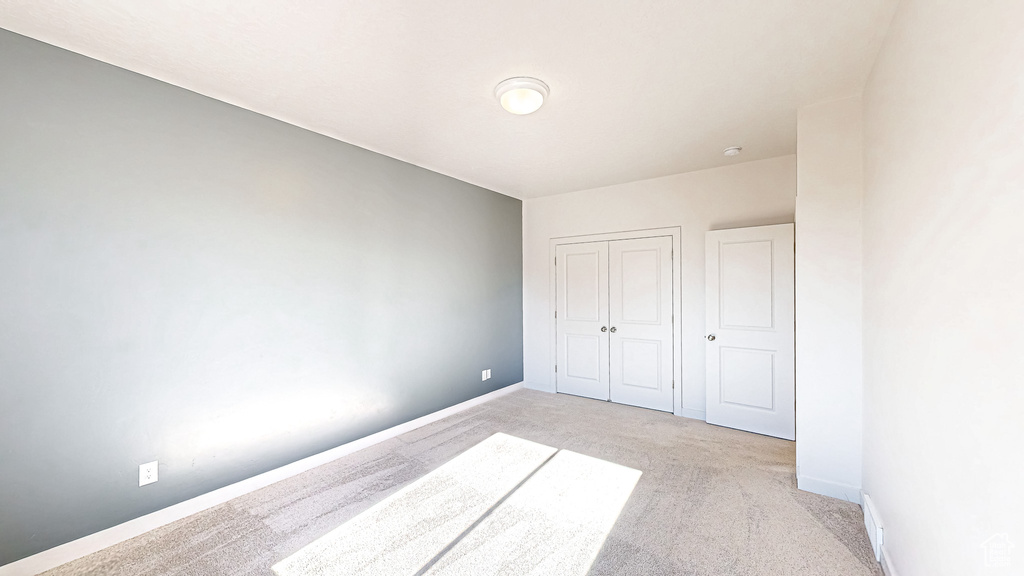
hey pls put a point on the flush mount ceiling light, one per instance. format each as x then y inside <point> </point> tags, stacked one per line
<point>733,151</point>
<point>521,95</point>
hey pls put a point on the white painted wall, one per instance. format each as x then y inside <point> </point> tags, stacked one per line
<point>944,285</point>
<point>828,298</point>
<point>745,194</point>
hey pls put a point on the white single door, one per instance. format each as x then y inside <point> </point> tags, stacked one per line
<point>581,319</point>
<point>640,317</point>
<point>750,331</point>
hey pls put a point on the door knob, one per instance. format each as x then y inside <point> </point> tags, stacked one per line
<point>613,329</point>
<point>604,328</point>
<point>711,337</point>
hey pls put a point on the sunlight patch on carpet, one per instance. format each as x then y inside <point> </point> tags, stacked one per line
<point>555,523</point>
<point>476,515</point>
<point>406,530</point>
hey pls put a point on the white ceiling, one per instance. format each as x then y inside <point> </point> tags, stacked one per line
<point>639,88</point>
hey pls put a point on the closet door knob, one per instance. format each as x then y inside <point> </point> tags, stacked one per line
<point>613,329</point>
<point>605,329</point>
<point>711,337</point>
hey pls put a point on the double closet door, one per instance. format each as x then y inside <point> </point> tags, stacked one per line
<point>613,321</point>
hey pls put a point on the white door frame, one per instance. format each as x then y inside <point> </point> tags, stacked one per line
<point>676,233</point>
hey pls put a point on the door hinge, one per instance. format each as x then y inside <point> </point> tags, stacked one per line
<point>556,260</point>
<point>556,313</point>
<point>673,384</point>
<point>556,368</point>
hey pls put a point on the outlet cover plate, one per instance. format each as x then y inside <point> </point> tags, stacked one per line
<point>148,473</point>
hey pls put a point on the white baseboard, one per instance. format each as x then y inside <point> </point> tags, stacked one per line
<point>539,386</point>
<point>873,525</point>
<point>695,414</point>
<point>887,568</point>
<point>827,488</point>
<point>86,545</point>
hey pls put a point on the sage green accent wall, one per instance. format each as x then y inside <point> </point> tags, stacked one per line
<point>186,281</point>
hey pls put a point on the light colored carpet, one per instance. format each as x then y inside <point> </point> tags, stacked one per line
<point>554,524</point>
<point>407,530</point>
<point>709,501</point>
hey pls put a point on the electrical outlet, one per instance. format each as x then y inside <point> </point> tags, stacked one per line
<point>488,373</point>
<point>485,375</point>
<point>147,473</point>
